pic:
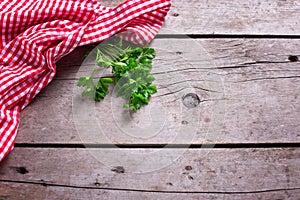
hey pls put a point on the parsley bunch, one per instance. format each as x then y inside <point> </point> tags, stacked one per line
<point>131,72</point>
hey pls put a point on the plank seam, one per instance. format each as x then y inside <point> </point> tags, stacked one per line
<point>192,146</point>
<point>45,184</point>
<point>221,36</point>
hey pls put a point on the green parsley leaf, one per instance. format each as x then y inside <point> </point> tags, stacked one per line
<point>131,73</point>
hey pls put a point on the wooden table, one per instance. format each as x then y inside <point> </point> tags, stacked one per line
<point>239,57</point>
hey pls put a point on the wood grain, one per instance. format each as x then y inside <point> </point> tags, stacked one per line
<point>249,92</point>
<point>250,17</point>
<point>247,87</point>
<point>213,172</point>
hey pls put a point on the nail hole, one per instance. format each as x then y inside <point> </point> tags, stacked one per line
<point>188,168</point>
<point>184,122</point>
<point>178,52</point>
<point>22,170</point>
<point>191,100</point>
<point>175,14</point>
<point>293,58</point>
<point>118,169</point>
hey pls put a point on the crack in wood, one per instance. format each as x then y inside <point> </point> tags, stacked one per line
<point>248,64</point>
<point>188,80</point>
<point>260,72</point>
<point>268,78</point>
<point>177,91</point>
<point>169,93</point>
<point>181,70</point>
<point>46,184</point>
<point>264,62</point>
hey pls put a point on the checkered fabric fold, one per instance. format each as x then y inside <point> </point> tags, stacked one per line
<point>35,34</point>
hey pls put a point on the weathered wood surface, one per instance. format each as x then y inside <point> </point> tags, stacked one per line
<point>248,88</point>
<point>249,94</point>
<point>251,17</point>
<point>212,173</point>
<point>17,191</point>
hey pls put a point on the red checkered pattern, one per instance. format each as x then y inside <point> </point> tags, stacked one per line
<point>35,34</point>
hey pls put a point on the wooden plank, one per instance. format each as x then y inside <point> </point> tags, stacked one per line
<point>248,90</point>
<point>254,17</point>
<point>213,172</point>
<point>15,191</point>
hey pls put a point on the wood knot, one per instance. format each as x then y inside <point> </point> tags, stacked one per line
<point>191,100</point>
<point>188,168</point>
<point>22,170</point>
<point>293,58</point>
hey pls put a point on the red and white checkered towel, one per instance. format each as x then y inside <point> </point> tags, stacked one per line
<point>35,34</point>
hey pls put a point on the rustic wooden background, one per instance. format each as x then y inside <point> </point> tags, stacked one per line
<point>249,95</point>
